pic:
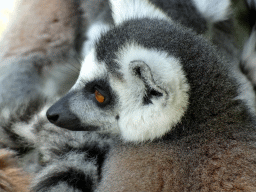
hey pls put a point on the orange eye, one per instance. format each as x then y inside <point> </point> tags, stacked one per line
<point>100,98</point>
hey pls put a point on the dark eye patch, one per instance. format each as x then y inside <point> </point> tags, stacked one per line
<point>99,84</point>
<point>103,87</point>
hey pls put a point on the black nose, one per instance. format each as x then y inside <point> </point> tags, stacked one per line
<point>60,115</point>
<point>53,118</point>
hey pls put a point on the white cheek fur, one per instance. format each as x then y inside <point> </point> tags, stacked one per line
<point>90,70</point>
<point>140,122</point>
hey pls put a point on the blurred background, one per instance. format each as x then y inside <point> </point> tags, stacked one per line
<point>6,10</point>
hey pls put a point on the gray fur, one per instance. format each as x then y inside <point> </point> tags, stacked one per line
<point>56,152</point>
<point>53,174</point>
<point>79,156</point>
<point>190,17</point>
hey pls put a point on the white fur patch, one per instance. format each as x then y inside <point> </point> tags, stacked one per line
<point>93,33</point>
<point>90,70</point>
<point>129,9</point>
<point>214,10</point>
<point>140,122</point>
<point>26,130</point>
<point>5,113</point>
<point>60,78</point>
<point>249,47</point>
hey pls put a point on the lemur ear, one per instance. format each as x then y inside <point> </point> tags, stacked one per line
<point>142,71</point>
<point>128,9</point>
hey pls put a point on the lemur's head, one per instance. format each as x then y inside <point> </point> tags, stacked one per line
<point>133,81</point>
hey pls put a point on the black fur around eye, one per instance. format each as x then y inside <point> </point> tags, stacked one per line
<point>99,85</point>
<point>99,92</point>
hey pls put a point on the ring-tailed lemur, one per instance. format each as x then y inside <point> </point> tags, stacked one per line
<point>170,103</point>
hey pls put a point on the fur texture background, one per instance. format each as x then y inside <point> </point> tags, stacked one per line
<point>40,60</point>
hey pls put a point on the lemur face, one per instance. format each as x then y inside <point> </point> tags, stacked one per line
<point>141,94</point>
<point>126,84</point>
